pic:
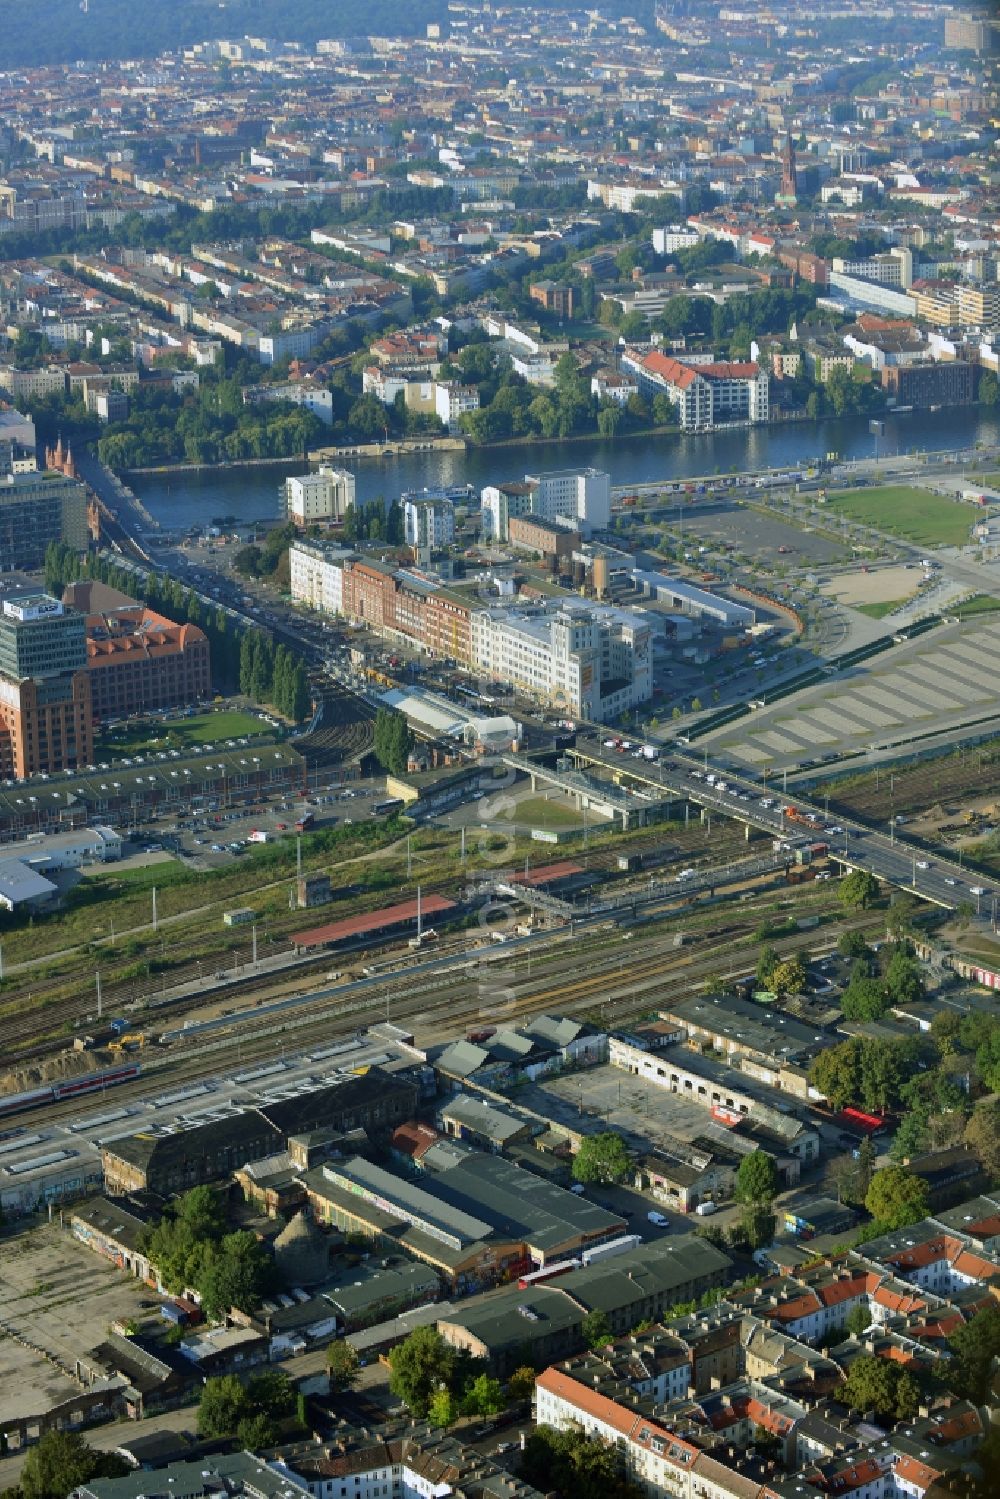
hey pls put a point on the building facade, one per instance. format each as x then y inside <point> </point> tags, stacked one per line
<point>36,508</point>
<point>46,718</point>
<point>580,496</point>
<point>703,395</point>
<point>428,518</point>
<point>593,661</point>
<point>137,660</point>
<point>324,496</point>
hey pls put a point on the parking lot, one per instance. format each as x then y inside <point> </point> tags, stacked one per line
<point>762,537</point>
<point>212,836</point>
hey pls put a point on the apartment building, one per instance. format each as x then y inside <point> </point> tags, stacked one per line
<point>321,497</point>
<point>579,496</point>
<point>46,716</point>
<point>555,296</point>
<point>452,400</point>
<point>593,661</point>
<point>704,395</point>
<point>428,518</point>
<point>317,574</point>
<point>947,383</point>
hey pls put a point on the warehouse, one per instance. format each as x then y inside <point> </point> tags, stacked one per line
<point>687,599</point>
<point>545,1322</point>
<point>477,1222</point>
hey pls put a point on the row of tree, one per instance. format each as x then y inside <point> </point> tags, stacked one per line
<point>393,741</point>
<point>272,674</point>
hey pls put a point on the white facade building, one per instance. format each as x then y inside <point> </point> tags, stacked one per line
<point>705,395</point>
<point>591,660</point>
<point>674,237</point>
<point>428,519</point>
<point>580,496</point>
<point>317,575</point>
<point>452,400</point>
<point>326,495</point>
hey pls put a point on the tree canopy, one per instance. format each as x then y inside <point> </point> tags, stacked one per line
<point>61,1461</point>
<point>897,1197</point>
<point>601,1158</point>
<point>882,1386</point>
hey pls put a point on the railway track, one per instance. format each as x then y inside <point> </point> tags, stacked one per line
<point>448,1005</point>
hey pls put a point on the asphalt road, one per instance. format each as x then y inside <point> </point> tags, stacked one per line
<point>893,859</point>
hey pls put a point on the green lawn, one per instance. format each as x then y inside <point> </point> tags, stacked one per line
<point>180,733</point>
<point>536,812</point>
<point>913,514</point>
<point>879,611</point>
<point>988,481</point>
<point>980,603</point>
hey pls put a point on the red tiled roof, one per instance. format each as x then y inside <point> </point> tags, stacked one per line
<point>372,921</point>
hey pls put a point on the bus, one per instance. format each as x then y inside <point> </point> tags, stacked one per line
<point>386,808</point>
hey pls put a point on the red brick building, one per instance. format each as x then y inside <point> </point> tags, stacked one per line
<point>137,660</point>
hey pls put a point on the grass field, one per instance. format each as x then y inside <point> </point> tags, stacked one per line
<point>181,733</point>
<point>536,812</point>
<point>988,481</point>
<point>980,603</point>
<point>879,611</point>
<point>913,514</point>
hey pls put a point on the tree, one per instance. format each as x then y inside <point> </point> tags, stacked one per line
<point>443,1409</point>
<point>789,976</point>
<point>864,998</point>
<point>757,1224</point>
<point>897,1197</point>
<point>521,1384</point>
<point>601,1158</point>
<point>574,1464</point>
<point>256,1431</point>
<point>419,1366</point>
<point>853,945</point>
<point>484,1397</point>
<point>756,1179</point>
<point>596,1329</point>
<point>342,1363</point>
<point>62,1461</point>
<point>238,1276</point>
<point>859,888</point>
<point>835,1073</point>
<point>859,1320</point>
<point>393,741</point>
<point>767,962</point>
<point>222,1407</point>
<point>903,981</point>
<point>982,1135</point>
<point>973,1347</point>
<point>882,1386</point>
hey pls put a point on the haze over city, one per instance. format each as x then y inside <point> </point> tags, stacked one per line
<point>499,744</point>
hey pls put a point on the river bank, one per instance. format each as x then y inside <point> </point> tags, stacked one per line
<point>181,498</point>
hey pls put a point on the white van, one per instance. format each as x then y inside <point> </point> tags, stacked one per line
<point>658,1220</point>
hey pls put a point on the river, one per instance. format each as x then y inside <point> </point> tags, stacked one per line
<point>184,499</point>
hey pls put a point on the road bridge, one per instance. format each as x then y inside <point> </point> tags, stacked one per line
<point>853,844</point>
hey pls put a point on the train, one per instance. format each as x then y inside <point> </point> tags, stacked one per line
<point>70,1087</point>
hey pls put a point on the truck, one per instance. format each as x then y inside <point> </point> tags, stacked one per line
<point>616,1246</point>
<point>258,836</point>
<point>650,752</point>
